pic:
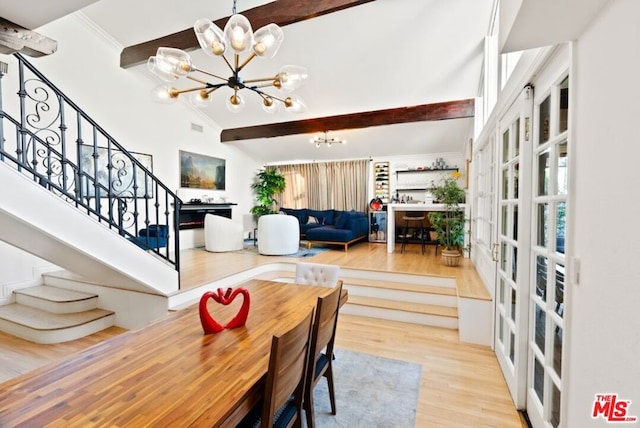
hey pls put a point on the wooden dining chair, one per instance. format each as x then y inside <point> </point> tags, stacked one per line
<point>284,390</point>
<point>322,338</point>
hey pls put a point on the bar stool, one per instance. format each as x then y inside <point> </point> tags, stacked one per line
<point>407,220</point>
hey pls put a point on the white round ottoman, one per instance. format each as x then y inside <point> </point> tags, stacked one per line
<point>278,235</point>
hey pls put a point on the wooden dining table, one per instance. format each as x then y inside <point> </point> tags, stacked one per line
<point>168,373</point>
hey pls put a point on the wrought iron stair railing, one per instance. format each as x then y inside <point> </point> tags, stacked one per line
<point>47,137</point>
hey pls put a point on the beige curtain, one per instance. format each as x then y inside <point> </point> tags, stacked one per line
<point>326,185</point>
<point>296,192</point>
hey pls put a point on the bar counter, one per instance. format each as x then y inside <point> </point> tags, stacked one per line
<point>393,208</point>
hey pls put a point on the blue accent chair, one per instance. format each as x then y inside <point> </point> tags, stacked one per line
<point>153,237</point>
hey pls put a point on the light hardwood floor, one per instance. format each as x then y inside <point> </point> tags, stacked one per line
<point>461,384</point>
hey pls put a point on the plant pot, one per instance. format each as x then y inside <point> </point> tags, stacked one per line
<point>450,257</point>
<point>433,235</point>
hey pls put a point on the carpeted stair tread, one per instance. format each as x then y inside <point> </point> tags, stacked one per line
<point>43,320</point>
<point>401,286</point>
<point>55,294</point>
<point>420,308</point>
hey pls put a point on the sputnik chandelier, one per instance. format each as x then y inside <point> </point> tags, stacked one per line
<point>325,140</point>
<point>171,64</point>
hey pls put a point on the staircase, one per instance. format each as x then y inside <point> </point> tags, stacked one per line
<point>45,314</point>
<point>392,296</point>
<point>72,195</point>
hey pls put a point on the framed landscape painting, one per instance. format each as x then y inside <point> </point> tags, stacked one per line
<point>202,172</point>
<point>124,183</point>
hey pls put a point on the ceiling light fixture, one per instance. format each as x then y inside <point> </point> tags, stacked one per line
<point>171,64</point>
<point>328,141</point>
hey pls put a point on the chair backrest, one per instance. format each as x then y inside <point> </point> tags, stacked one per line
<point>324,327</point>
<point>287,369</point>
<point>317,274</point>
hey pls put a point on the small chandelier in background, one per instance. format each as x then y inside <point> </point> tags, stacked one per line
<point>328,141</point>
<point>171,64</point>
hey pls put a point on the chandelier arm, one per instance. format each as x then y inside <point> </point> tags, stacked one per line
<point>260,79</point>
<point>195,79</point>
<point>208,86</point>
<point>264,94</point>
<point>208,74</point>
<point>185,91</point>
<point>246,61</point>
<point>228,63</point>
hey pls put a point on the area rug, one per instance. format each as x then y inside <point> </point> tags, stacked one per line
<point>303,251</point>
<point>370,392</point>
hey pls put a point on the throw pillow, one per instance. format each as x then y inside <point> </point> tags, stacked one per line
<point>312,220</point>
<point>323,216</point>
<point>343,220</point>
<point>300,214</point>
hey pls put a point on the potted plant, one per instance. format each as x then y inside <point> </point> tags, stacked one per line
<point>449,223</point>
<point>269,182</point>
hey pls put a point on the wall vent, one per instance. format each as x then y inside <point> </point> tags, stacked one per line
<point>197,128</point>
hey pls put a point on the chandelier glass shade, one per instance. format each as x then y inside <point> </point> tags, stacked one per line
<point>237,38</point>
<point>325,140</point>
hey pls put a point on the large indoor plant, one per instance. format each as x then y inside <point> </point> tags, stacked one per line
<point>269,182</point>
<point>450,222</point>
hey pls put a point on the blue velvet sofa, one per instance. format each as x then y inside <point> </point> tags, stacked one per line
<point>330,226</point>
<point>153,237</point>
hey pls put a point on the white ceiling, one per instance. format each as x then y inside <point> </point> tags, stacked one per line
<point>379,55</point>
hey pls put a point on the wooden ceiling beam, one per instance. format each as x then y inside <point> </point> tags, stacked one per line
<point>281,12</point>
<point>15,38</point>
<point>426,112</point>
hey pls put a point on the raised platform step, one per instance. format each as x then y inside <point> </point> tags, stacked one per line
<point>386,290</point>
<point>416,313</point>
<point>45,327</point>
<point>56,300</point>
<point>413,302</point>
<point>402,286</point>
<point>419,308</point>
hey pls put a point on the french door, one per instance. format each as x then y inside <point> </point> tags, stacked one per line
<point>547,255</point>
<point>532,206</point>
<point>511,314</point>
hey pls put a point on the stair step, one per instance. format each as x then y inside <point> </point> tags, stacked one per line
<point>401,286</point>
<point>55,299</point>
<point>43,320</point>
<point>55,294</point>
<point>45,327</point>
<point>420,308</point>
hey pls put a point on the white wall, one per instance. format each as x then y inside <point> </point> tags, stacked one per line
<point>604,309</point>
<point>19,269</point>
<point>86,68</point>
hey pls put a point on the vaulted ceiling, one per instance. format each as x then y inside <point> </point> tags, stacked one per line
<point>376,56</point>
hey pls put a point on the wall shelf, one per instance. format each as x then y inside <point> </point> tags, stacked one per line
<point>403,171</point>
<point>417,185</point>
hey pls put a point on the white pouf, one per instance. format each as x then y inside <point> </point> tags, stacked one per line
<point>278,235</point>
